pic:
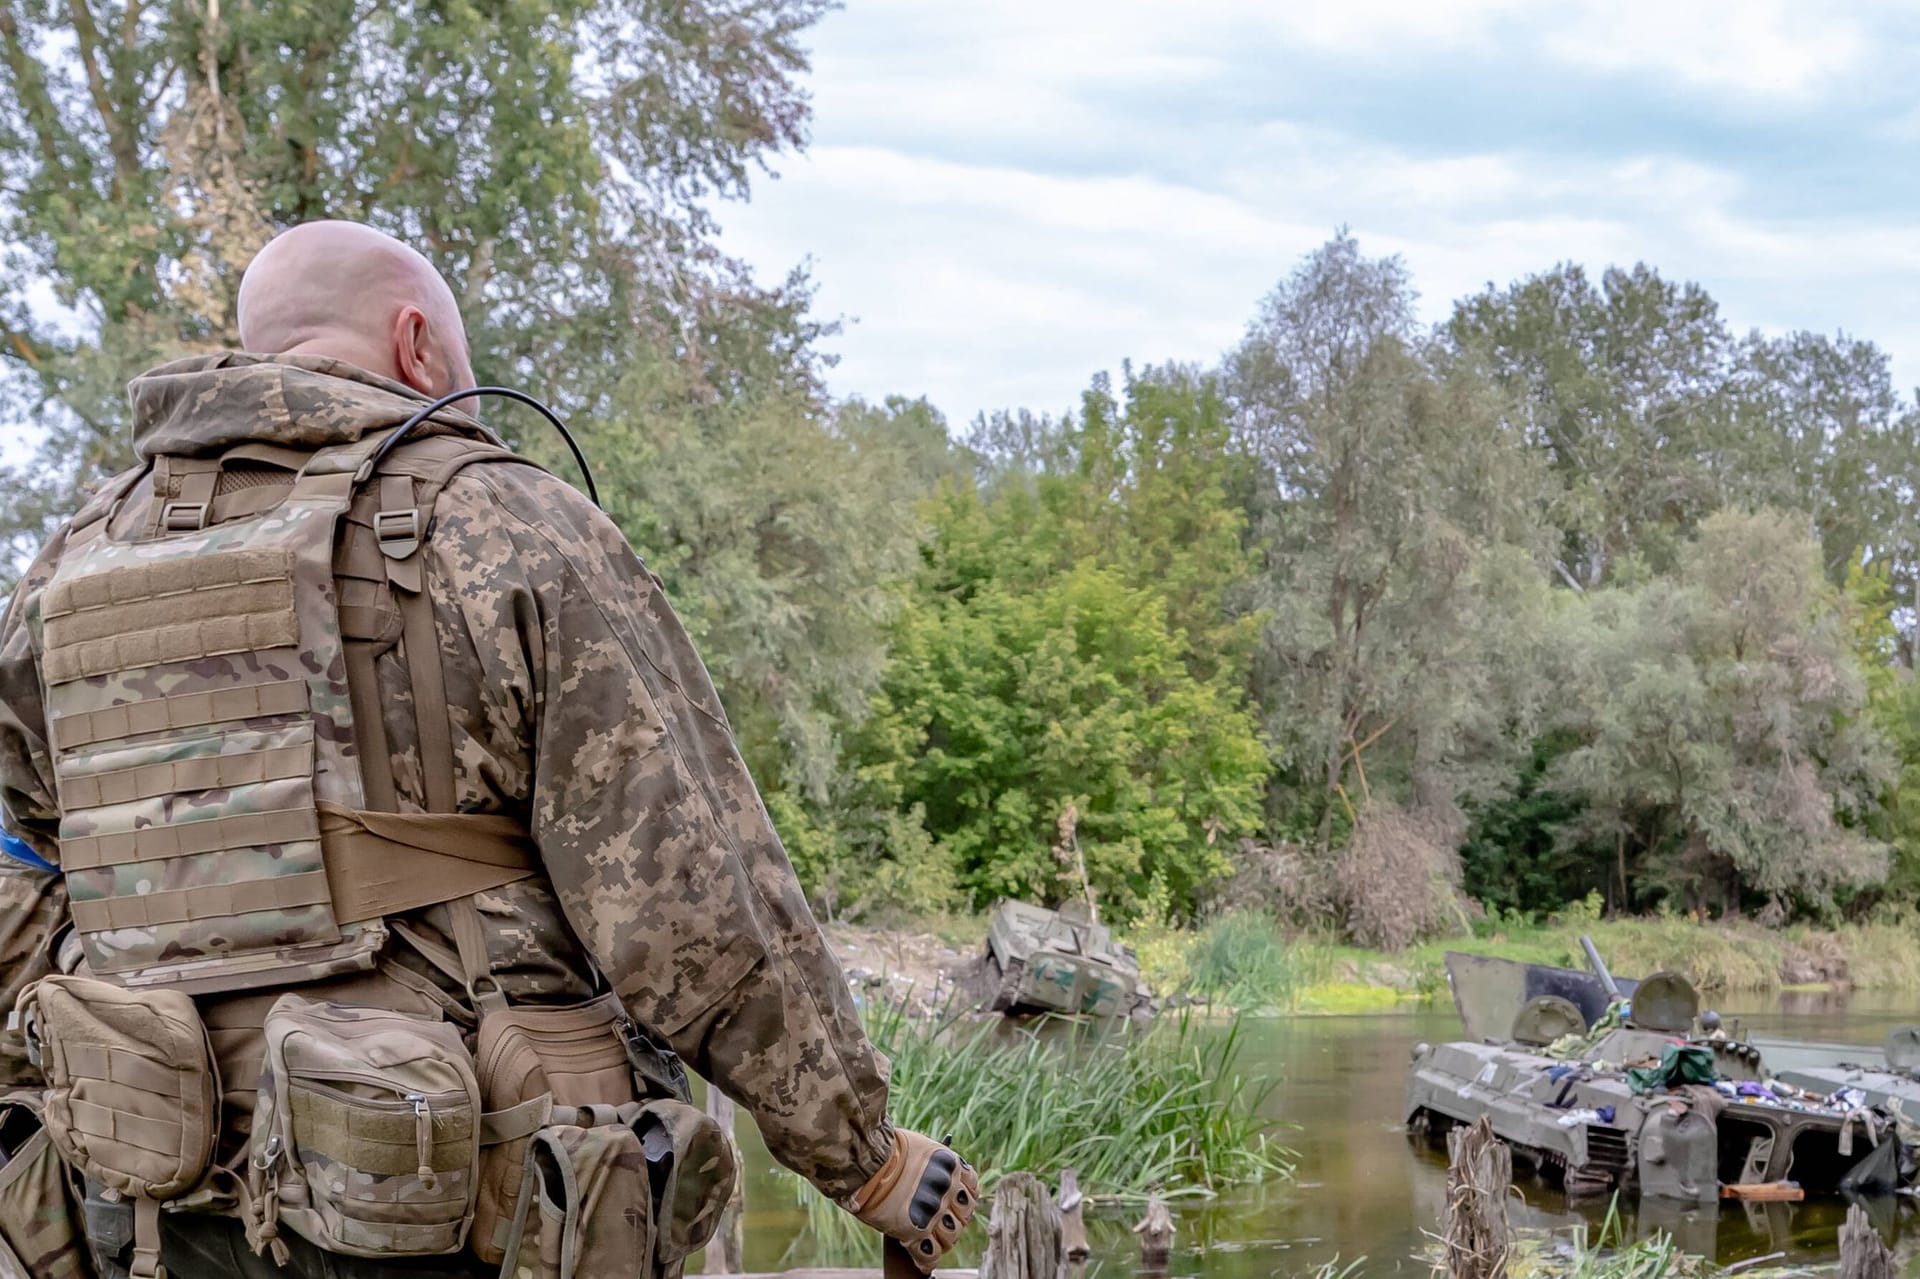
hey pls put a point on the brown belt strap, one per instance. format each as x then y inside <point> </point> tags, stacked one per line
<point>146,1240</point>
<point>381,864</point>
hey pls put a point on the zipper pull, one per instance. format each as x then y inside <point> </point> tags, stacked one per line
<point>423,1137</point>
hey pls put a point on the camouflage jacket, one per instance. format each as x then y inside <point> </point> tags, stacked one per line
<point>579,705</point>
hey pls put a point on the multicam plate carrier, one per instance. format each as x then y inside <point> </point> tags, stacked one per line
<point>203,726</point>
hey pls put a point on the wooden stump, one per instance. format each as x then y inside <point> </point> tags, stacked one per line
<point>726,1251</point>
<point>1863,1254</point>
<point>1073,1225</point>
<point>1156,1237</point>
<point>1479,1178</point>
<point>1023,1234</point>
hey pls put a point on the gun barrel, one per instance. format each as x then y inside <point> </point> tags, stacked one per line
<point>1599,967</point>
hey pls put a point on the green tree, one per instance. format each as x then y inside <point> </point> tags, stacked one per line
<point>1149,481</point>
<point>1723,752</point>
<point>1624,386</point>
<point>1402,519</point>
<point>1006,705</point>
<point>555,158</point>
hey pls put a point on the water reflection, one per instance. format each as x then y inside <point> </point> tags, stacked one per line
<point>1365,1190</point>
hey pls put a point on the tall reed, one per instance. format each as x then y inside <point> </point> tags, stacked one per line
<point>1162,1111</point>
<point>1159,1111</point>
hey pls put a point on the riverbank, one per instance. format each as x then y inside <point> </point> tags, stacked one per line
<point>1245,962</point>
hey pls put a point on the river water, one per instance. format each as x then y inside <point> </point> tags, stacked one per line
<point>1363,1190</point>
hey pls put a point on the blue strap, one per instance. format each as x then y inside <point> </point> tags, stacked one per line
<point>16,848</point>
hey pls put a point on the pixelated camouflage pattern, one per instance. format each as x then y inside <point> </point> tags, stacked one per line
<point>353,1103</point>
<point>578,702</point>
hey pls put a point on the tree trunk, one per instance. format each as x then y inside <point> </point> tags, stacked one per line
<point>1479,1179</point>
<point>1023,1234</point>
<point>1156,1238</point>
<point>1863,1255</point>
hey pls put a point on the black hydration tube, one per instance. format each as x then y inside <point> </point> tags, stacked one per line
<point>506,392</point>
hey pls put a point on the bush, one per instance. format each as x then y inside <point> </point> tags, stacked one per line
<point>1399,877</point>
<point>1242,960</point>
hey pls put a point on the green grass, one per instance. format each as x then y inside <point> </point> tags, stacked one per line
<point>1243,961</point>
<point>1606,1256</point>
<point>1163,1111</point>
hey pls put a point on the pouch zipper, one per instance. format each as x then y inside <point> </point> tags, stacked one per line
<point>423,1137</point>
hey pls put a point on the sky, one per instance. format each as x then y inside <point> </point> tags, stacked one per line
<point>1004,196</point>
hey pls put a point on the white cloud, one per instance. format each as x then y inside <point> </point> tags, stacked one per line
<point>1009,196</point>
<point>1761,47</point>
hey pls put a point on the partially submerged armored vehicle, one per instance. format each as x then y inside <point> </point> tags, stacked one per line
<point>1060,961</point>
<point>1606,1086</point>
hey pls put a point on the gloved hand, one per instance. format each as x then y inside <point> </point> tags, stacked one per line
<point>923,1196</point>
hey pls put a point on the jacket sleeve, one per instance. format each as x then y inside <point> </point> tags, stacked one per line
<point>658,845</point>
<point>33,903</point>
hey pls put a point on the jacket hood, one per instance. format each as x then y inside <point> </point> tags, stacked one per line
<point>206,404</point>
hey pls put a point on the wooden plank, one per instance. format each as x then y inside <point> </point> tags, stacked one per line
<point>1764,1192</point>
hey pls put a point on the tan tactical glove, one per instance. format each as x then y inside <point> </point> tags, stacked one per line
<point>924,1196</point>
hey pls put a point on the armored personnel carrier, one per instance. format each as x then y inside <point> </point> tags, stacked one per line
<point>1060,961</point>
<point>1607,1086</point>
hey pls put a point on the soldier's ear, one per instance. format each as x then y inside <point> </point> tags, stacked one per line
<point>414,358</point>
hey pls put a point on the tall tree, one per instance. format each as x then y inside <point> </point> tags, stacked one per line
<point>556,158</point>
<point>1723,747</point>
<point>1623,385</point>
<point>1402,513</point>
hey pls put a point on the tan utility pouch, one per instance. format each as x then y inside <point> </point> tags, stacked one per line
<point>41,1234</point>
<point>366,1133</point>
<point>575,1056</point>
<point>599,1197</point>
<point>133,1100</point>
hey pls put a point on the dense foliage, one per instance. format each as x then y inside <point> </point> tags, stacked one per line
<point>1371,623</point>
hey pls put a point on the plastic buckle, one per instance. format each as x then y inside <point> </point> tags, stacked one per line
<point>398,533</point>
<point>183,517</point>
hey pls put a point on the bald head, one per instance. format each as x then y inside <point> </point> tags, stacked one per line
<point>349,292</point>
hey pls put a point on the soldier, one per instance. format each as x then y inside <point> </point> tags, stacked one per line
<point>413,732</point>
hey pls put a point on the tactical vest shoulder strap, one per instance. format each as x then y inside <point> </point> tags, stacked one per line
<point>91,519</point>
<point>387,529</point>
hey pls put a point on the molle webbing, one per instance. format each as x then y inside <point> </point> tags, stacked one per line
<point>182,710</point>
<point>197,688</point>
<point>179,777</point>
<point>144,615</point>
<point>215,710</point>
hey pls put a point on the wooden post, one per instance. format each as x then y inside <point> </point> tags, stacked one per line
<point>1073,1226</point>
<point>1863,1255</point>
<point>726,1251</point>
<point>1479,1178</point>
<point>1023,1234</point>
<point>1156,1237</point>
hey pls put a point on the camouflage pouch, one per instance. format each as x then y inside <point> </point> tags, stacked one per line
<point>41,1235</point>
<point>575,1056</point>
<point>691,1169</point>
<point>133,1099</point>
<point>366,1132</point>
<point>632,1195</point>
